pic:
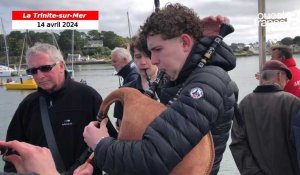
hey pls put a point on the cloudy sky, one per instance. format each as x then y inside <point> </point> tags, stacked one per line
<point>242,13</point>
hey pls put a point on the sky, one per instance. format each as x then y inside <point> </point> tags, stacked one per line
<point>243,14</point>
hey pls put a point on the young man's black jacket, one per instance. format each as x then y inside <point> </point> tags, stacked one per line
<point>211,75</point>
<point>206,103</point>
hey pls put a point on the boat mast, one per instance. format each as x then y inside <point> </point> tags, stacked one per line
<point>129,26</point>
<point>261,36</point>
<point>57,46</point>
<point>5,43</point>
<point>24,41</point>
<point>157,5</point>
<point>55,41</point>
<point>73,53</point>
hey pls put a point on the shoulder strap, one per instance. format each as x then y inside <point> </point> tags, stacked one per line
<point>81,160</point>
<point>50,136</point>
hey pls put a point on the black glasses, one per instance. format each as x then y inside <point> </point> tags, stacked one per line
<point>44,68</point>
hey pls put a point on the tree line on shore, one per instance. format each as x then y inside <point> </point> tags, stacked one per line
<point>241,49</point>
<point>63,40</point>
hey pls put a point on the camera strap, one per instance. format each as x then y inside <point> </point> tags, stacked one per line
<point>50,136</point>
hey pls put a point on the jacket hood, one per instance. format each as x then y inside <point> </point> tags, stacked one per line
<point>223,57</point>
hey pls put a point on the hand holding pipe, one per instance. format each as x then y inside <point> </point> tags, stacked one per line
<point>225,29</point>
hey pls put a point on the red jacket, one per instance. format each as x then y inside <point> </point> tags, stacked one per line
<point>293,86</point>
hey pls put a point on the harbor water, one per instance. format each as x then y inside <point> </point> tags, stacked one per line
<point>101,78</point>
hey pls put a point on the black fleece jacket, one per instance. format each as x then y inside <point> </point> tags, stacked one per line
<point>70,109</point>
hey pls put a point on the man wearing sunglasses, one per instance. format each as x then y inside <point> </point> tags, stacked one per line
<point>71,106</point>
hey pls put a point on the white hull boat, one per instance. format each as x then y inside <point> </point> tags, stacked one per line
<point>7,71</point>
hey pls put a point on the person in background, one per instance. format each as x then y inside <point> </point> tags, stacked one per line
<point>142,58</point>
<point>147,71</point>
<point>205,100</point>
<point>123,64</point>
<point>71,106</point>
<point>262,144</point>
<point>125,67</point>
<point>284,54</point>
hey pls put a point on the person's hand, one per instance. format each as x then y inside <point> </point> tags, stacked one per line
<point>30,158</point>
<point>84,169</point>
<point>211,24</point>
<point>92,134</point>
<point>257,76</point>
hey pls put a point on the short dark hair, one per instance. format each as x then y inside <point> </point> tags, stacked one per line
<point>140,43</point>
<point>284,50</point>
<point>286,53</point>
<point>172,21</point>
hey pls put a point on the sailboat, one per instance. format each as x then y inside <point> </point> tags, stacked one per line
<point>23,84</point>
<point>6,71</point>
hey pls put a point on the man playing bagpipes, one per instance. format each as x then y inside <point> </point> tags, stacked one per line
<point>199,99</point>
<point>199,102</point>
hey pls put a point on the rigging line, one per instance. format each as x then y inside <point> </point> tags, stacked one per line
<point>5,42</point>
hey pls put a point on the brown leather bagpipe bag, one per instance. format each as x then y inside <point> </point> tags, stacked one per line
<point>198,161</point>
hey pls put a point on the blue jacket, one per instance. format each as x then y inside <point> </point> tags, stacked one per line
<point>128,73</point>
<point>182,125</point>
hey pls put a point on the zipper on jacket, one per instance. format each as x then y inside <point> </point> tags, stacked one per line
<point>50,104</point>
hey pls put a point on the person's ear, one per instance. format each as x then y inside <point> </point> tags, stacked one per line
<point>280,76</point>
<point>187,42</point>
<point>61,64</point>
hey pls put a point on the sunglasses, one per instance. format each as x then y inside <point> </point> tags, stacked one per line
<point>44,68</point>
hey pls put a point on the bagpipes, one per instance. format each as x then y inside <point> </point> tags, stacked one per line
<point>139,111</point>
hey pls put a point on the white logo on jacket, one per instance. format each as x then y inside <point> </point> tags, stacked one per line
<point>196,93</point>
<point>67,122</point>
